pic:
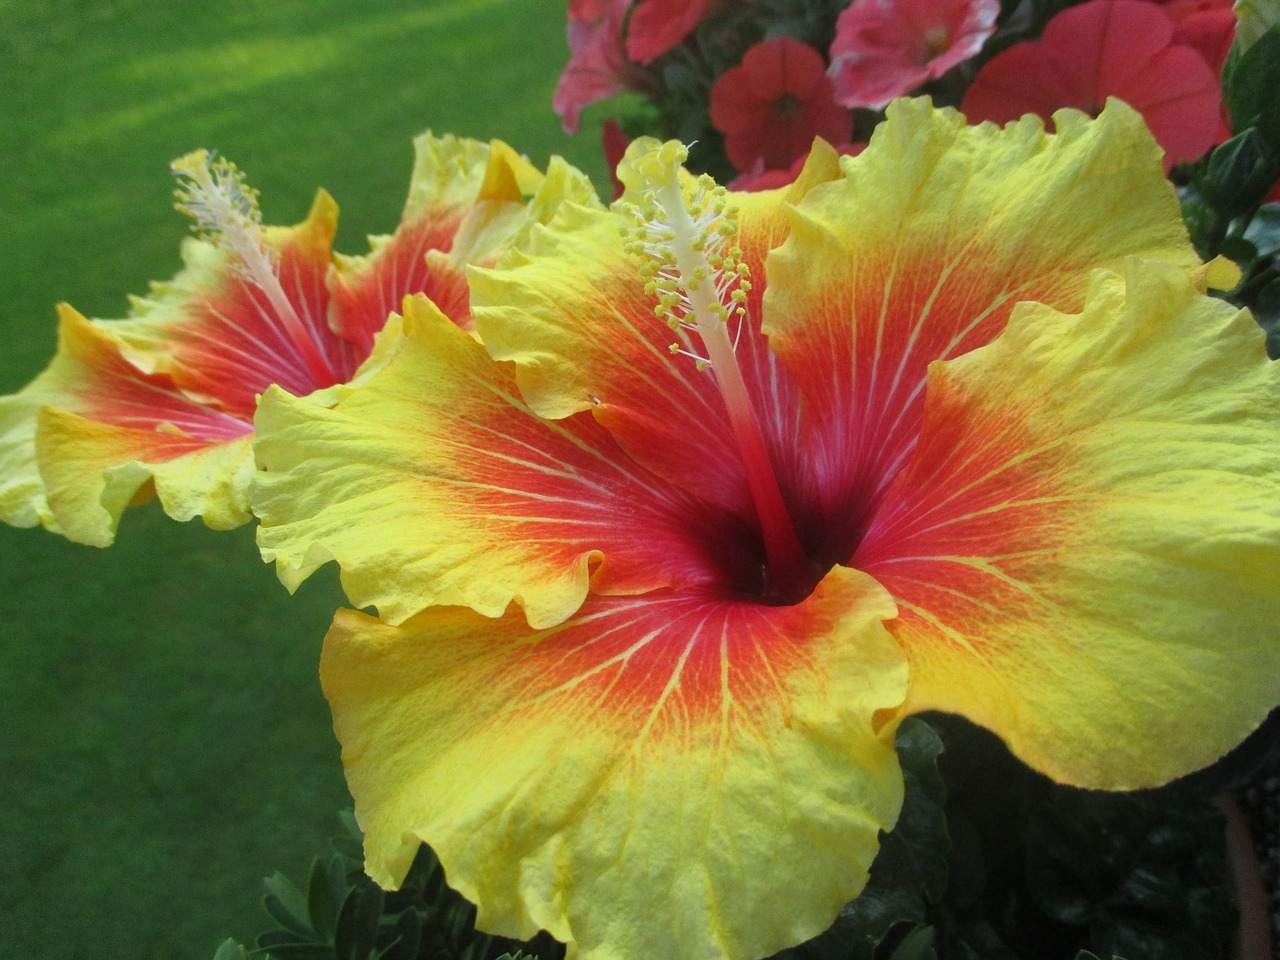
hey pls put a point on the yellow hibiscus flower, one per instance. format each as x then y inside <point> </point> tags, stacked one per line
<point>648,622</point>
<point>162,403</point>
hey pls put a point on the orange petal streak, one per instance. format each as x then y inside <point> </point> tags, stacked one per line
<point>430,482</point>
<point>920,254</point>
<point>218,336</point>
<point>1083,546</point>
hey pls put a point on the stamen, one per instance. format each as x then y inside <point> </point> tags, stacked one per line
<point>225,208</point>
<point>683,241</point>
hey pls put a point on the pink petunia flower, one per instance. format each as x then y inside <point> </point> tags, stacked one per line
<point>772,105</point>
<point>598,66</point>
<point>1101,49</point>
<point>588,10</point>
<point>886,48</point>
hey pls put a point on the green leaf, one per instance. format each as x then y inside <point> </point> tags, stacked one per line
<point>1250,79</point>
<point>916,945</point>
<point>321,904</point>
<point>1145,873</point>
<point>1204,224</point>
<point>349,844</point>
<point>286,906</point>
<point>356,932</point>
<point>1238,174</point>
<point>298,951</point>
<point>1264,230</point>
<point>406,943</point>
<point>230,950</point>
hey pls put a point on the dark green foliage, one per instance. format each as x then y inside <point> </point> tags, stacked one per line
<point>1250,79</point>
<point>988,861</point>
<point>1222,193</point>
<point>1133,870</point>
<point>343,915</point>
<point>908,875</point>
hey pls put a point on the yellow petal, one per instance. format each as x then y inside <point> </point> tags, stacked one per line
<point>91,389</point>
<point>468,201</point>
<point>671,748</point>
<point>430,482</point>
<point>920,252</point>
<point>1084,547</point>
<point>94,471</point>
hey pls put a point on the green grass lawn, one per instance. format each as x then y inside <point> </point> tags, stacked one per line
<point>165,743</point>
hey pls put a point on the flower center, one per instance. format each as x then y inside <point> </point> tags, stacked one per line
<point>937,40</point>
<point>683,240</point>
<point>788,106</point>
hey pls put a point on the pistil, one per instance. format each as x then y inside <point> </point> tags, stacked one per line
<point>701,285</point>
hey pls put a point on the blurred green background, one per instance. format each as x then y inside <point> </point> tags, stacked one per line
<point>164,744</point>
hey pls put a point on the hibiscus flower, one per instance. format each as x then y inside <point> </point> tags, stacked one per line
<point>885,48</point>
<point>162,403</point>
<point>772,105</point>
<point>651,605</point>
<point>1101,49</point>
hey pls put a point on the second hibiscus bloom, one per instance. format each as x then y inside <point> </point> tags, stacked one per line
<point>162,403</point>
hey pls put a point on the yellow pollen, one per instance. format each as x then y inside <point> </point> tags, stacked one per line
<point>681,234</point>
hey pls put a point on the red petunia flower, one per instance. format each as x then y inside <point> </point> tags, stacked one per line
<point>772,105</point>
<point>598,66</point>
<point>658,25</point>
<point>1207,25</point>
<point>1101,49</point>
<point>886,48</point>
